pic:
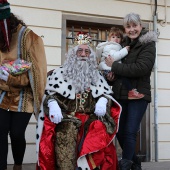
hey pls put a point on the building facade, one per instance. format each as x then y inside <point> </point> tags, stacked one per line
<point>57,21</point>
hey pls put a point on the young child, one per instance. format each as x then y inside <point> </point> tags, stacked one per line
<point>113,48</point>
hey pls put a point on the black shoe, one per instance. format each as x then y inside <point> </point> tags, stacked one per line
<point>125,164</point>
<point>136,164</point>
<point>136,167</point>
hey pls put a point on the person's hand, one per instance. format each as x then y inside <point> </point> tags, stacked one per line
<point>4,75</point>
<point>128,48</point>
<point>100,107</point>
<point>110,76</point>
<point>54,111</point>
<point>109,61</point>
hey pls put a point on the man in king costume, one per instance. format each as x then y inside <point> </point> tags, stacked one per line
<point>79,118</point>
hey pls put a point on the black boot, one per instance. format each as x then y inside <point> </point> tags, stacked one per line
<point>136,164</point>
<point>125,164</point>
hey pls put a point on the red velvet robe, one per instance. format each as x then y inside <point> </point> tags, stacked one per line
<point>97,150</point>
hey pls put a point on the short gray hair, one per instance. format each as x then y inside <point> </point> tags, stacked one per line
<point>131,18</point>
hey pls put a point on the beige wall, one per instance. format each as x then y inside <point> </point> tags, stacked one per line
<point>45,18</point>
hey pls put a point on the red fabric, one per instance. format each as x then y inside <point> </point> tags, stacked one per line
<point>100,143</point>
<point>47,147</point>
<point>3,1</point>
<point>115,113</point>
<point>83,118</point>
<point>105,158</point>
<point>81,32</point>
<point>97,138</point>
<point>97,147</point>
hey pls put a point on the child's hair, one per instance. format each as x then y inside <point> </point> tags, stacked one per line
<point>115,31</point>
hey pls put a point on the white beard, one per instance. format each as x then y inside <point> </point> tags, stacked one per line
<point>81,71</point>
<point>81,77</point>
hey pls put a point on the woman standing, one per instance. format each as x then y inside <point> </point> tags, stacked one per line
<point>137,67</point>
<point>20,94</point>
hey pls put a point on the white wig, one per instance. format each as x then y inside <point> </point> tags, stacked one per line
<point>82,73</point>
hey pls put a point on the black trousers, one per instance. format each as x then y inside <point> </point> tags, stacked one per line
<point>14,124</point>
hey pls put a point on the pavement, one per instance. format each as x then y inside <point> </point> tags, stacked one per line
<point>145,166</point>
<point>155,165</point>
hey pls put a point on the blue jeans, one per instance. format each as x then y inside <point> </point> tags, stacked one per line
<point>131,116</point>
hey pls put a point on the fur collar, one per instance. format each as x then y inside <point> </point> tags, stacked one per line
<point>56,83</point>
<point>148,37</point>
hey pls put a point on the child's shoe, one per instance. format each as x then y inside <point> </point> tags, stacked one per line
<point>134,94</point>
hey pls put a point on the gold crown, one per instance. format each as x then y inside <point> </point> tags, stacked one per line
<point>82,38</point>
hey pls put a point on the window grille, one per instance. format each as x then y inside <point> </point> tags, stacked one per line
<point>98,32</point>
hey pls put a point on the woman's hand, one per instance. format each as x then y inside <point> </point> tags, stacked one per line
<point>110,76</point>
<point>109,61</point>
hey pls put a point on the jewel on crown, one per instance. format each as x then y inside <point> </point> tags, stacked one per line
<point>82,38</point>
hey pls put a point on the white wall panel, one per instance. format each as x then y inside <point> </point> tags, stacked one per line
<point>30,134</point>
<point>33,120</point>
<point>163,98</point>
<point>164,63</point>
<point>51,37</point>
<point>109,8</point>
<point>163,47</point>
<point>95,7</point>
<point>163,115</point>
<point>164,31</point>
<point>163,150</point>
<point>163,133</point>
<point>38,17</point>
<point>53,55</point>
<point>163,81</point>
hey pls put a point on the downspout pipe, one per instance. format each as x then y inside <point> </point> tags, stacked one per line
<point>155,87</point>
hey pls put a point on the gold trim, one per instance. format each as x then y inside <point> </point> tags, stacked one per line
<point>24,56</point>
<point>92,161</point>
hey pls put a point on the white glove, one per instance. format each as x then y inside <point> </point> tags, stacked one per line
<point>4,75</point>
<point>100,108</point>
<point>54,111</point>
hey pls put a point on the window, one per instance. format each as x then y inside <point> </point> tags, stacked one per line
<point>98,32</point>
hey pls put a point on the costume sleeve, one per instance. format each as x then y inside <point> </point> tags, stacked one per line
<point>103,66</point>
<point>142,66</point>
<point>118,55</point>
<point>38,71</point>
<point>18,81</point>
<point>99,49</point>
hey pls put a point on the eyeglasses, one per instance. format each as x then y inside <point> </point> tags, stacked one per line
<point>86,51</point>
